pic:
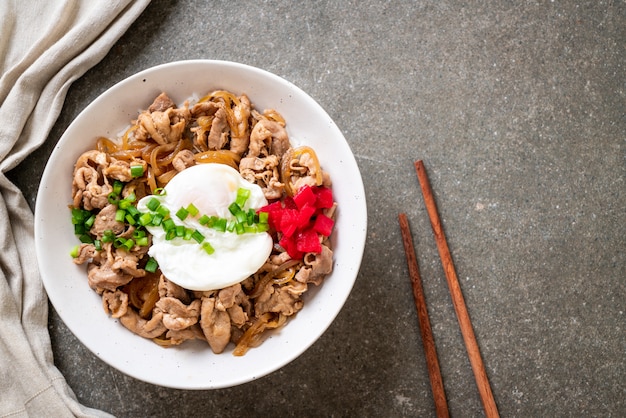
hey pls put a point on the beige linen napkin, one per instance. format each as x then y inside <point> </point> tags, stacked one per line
<point>44,46</point>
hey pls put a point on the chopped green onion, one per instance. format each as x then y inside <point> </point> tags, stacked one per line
<point>113,198</point>
<point>80,216</point>
<point>117,187</point>
<point>128,244</point>
<point>85,239</point>
<point>245,221</point>
<point>77,216</point>
<point>124,243</point>
<point>242,217</point>
<point>163,211</point>
<point>75,251</point>
<point>251,217</point>
<point>151,265</point>
<point>157,219</point>
<point>124,204</point>
<point>220,224</point>
<point>208,248</point>
<point>234,208</point>
<point>136,170</point>
<point>120,214</point>
<point>89,222</point>
<point>197,235</point>
<point>79,229</point>
<point>182,214</point>
<point>242,196</point>
<point>146,219</point>
<point>108,236</point>
<point>168,224</point>
<point>153,204</point>
<point>133,211</point>
<point>192,209</point>
<point>127,202</point>
<point>159,191</point>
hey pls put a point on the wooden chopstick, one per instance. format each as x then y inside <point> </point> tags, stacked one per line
<point>467,331</point>
<point>432,362</point>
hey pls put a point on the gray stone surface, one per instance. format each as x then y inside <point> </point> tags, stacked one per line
<point>517,109</point>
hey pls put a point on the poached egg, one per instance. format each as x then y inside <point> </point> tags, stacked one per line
<point>211,188</point>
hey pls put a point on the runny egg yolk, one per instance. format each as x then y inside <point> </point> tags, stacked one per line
<point>211,188</point>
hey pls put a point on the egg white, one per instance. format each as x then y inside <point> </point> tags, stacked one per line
<point>211,188</point>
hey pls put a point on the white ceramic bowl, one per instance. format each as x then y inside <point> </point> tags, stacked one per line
<point>193,365</point>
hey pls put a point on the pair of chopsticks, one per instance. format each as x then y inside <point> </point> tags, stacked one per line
<point>467,331</point>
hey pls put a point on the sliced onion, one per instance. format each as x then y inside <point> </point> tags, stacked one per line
<point>286,167</point>
<point>260,285</point>
<point>221,156</point>
<point>252,334</point>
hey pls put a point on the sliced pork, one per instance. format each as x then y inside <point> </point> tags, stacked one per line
<point>215,325</point>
